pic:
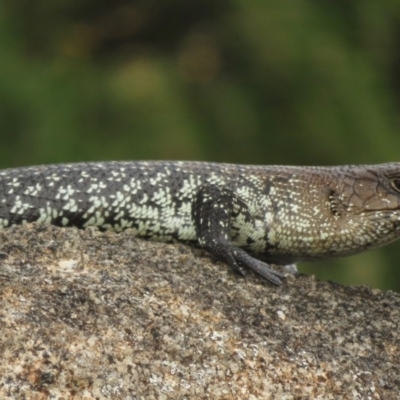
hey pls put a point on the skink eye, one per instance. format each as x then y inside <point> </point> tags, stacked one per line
<point>396,184</point>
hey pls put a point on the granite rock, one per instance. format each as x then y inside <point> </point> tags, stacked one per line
<point>97,315</point>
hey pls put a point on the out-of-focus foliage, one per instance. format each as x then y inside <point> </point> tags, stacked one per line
<point>288,82</point>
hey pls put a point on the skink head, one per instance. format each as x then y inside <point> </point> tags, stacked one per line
<point>369,198</point>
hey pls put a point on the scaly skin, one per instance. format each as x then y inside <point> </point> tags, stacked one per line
<point>248,216</point>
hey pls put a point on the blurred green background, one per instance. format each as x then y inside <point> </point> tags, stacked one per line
<point>266,82</point>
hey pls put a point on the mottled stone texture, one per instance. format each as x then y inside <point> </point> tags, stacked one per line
<point>91,315</point>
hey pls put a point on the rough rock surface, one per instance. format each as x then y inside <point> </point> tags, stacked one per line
<point>91,315</point>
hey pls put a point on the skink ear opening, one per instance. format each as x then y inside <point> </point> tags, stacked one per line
<point>395,182</point>
<point>334,203</point>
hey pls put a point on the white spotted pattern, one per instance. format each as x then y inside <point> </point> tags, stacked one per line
<point>285,214</point>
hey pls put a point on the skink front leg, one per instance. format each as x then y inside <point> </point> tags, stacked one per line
<point>213,211</point>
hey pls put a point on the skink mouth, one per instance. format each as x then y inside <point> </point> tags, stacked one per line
<point>382,215</point>
<point>380,211</point>
<point>384,202</point>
